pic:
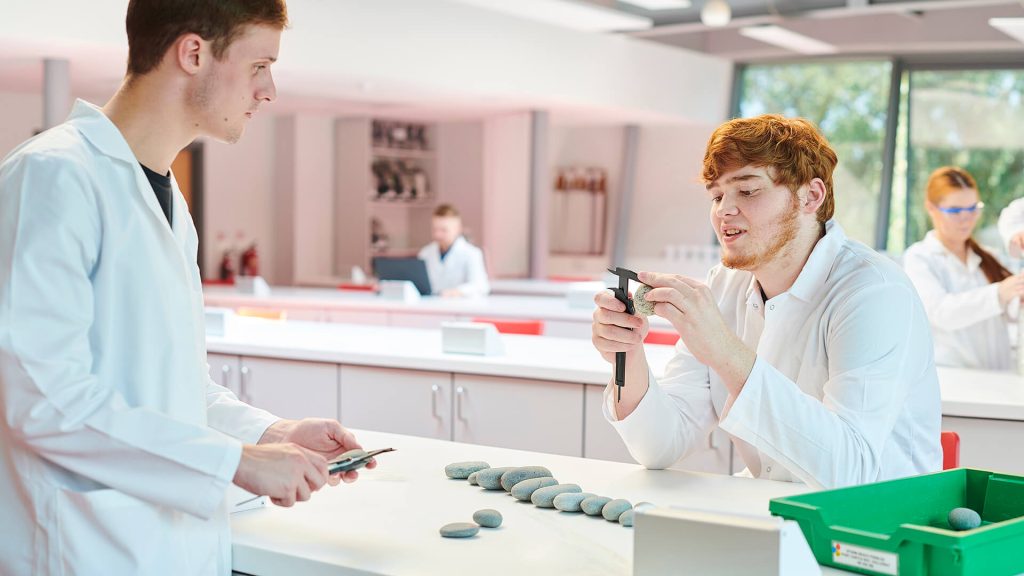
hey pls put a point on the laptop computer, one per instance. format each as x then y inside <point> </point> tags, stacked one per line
<point>411,269</point>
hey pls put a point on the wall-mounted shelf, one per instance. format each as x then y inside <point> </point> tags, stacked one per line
<point>402,153</point>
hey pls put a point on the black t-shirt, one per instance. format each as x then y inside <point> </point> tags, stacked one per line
<point>161,184</point>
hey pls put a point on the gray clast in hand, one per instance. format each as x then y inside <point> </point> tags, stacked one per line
<point>640,303</point>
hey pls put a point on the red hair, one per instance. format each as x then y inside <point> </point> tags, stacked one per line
<point>793,147</point>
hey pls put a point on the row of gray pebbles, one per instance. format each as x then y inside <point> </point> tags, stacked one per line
<point>533,484</point>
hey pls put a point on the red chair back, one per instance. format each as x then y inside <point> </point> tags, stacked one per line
<point>950,450</point>
<point>662,337</point>
<point>529,327</point>
<point>357,287</point>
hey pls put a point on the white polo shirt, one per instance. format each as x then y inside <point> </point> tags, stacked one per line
<point>843,391</point>
<point>969,325</point>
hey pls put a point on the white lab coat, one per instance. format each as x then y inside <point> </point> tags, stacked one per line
<point>116,448</point>
<point>1011,221</point>
<point>969,325</point>
<point>462,268</point>
<point>844,389</point>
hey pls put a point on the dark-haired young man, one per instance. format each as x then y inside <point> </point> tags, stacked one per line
<point>116,448</point>
<point>810,349</point>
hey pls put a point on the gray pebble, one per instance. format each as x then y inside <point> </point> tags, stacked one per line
<point>626,519</point>
<point>640,303</point>
<point>488,518</point>
<point>964,519</point>
<point>462,470</point>
<point>592,506</point>
<point>614,509</point>
<point>517,475</point>
<point>459,530</point>
<point>472,479</point>
<point>544,497</point>
<point>490,478</point>
<point>525,489</point>
<point>570,501</point>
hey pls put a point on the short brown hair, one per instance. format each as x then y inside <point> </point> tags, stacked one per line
<point>154,25</point>
<point>793,147</point>
<point>446,211</point>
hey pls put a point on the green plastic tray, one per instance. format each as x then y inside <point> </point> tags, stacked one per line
<point>899,527</point>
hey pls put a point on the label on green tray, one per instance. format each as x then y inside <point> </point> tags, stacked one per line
<point>866,558</point>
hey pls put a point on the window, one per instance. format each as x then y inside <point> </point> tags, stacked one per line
<point>849,103</point>
<point>967,118</point>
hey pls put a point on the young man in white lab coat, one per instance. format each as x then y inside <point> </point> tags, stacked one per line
<point>811,350</point>
<point>116,448</point>
<point>455,267</point>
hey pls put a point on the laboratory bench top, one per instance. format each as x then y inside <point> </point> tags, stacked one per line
<point>965,393</point>
<point>387,522</point>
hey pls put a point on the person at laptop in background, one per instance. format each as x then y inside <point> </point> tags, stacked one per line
<point>455,267</point>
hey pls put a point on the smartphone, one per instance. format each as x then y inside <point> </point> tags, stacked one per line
<point>349,463</point>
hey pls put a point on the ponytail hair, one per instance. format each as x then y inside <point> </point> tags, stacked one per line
<point>994,271</point>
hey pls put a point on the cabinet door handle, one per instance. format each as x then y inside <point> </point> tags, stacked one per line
<point>459,393</point>
<point>225,374</point>
<point>243,390</point>
<point>435,390</point>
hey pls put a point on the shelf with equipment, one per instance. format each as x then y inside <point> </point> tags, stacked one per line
<point>387,171</point>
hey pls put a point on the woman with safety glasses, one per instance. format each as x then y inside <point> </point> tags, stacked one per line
<point>965,290</point>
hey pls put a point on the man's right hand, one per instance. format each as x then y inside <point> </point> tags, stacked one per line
<point>286,472</point>
<point>615,330</point>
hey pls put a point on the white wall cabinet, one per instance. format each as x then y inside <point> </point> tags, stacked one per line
<point>519,413</point>
<point>603,442</point>
<point>224,370</point>
<point>988,444</point>
<point>288,388</point>
<point>411,402</point>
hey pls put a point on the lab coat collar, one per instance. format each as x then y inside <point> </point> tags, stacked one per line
<point>97,128</point>
<point>819,265</point>
<point>935,246</point>
<point>101,132</point>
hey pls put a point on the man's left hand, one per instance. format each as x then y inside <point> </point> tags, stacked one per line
<point>689,305</point>
<point>321,435</point>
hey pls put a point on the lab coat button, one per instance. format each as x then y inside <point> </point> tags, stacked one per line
<point>772,307</point>
<point>768,470</point>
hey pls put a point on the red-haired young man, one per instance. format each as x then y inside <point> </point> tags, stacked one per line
<point>812,351</point>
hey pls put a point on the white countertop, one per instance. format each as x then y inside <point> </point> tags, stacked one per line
<point>517,306</point>
<point>965,393</point>
<point>387,523</point>
<point>520,306</point>
<point>527,287</point>
<point>537,357</point>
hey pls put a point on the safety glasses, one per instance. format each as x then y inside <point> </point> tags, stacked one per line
<point>958,210</point>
